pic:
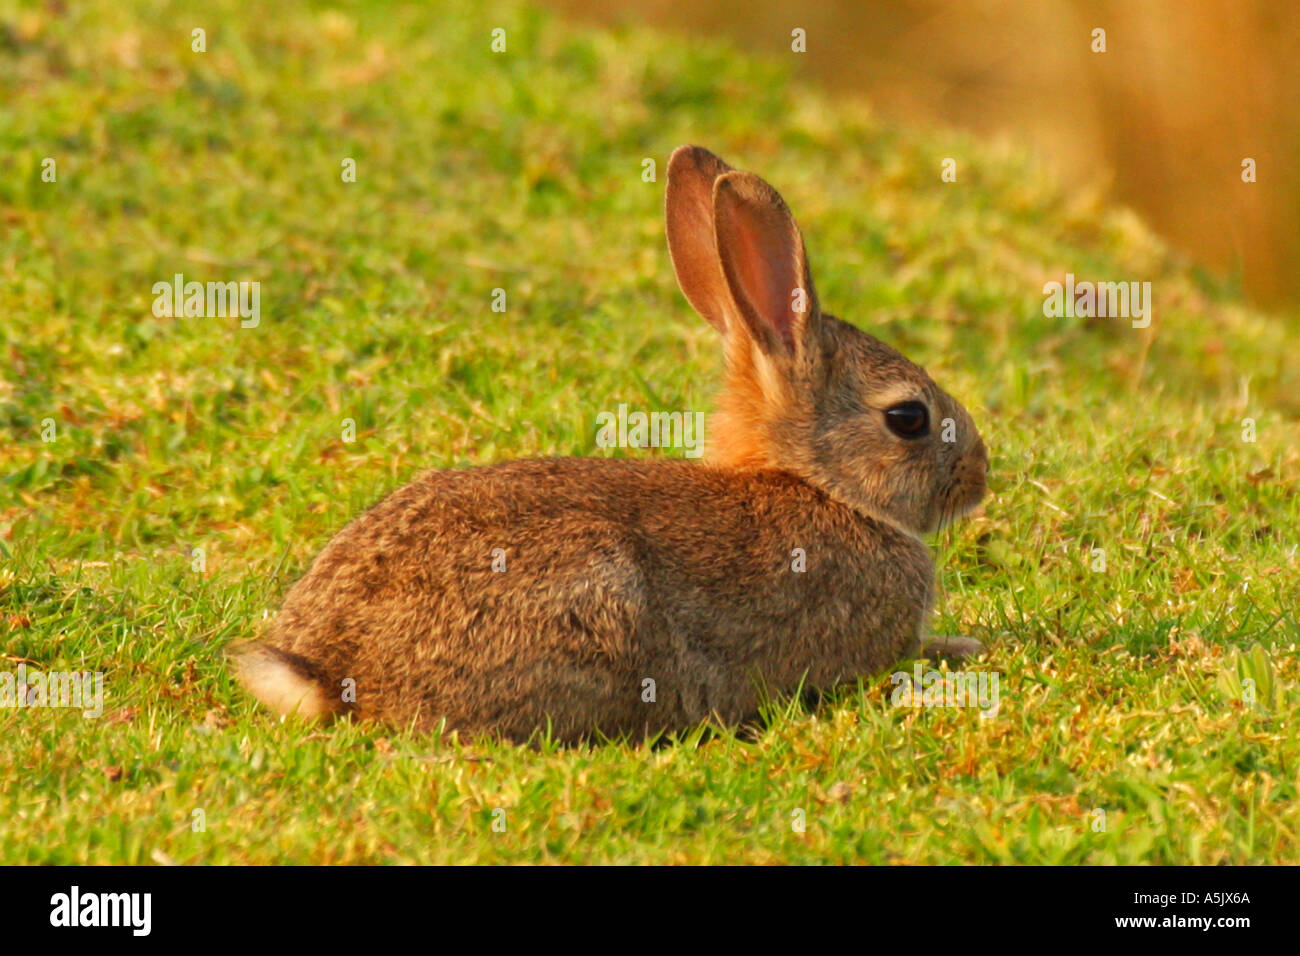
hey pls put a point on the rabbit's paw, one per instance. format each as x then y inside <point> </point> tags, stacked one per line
<point>951,648</point>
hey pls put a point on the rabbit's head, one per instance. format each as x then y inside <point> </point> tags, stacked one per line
<point>805,392</point>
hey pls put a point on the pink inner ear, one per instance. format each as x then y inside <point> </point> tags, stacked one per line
<point>766,269</point>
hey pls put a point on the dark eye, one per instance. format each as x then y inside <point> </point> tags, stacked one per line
<point>908,420</point>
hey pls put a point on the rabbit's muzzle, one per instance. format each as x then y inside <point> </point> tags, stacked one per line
<point>967,487</point>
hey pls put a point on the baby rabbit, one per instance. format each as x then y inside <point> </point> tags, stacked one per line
<point>629,597</point>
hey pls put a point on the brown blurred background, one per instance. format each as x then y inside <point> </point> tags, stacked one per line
<point>1185,90</point>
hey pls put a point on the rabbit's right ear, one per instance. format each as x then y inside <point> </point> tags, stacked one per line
<point>692,239</point>
<point>764,262</point>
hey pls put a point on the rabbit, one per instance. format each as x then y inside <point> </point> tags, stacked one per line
<point>611,598</point>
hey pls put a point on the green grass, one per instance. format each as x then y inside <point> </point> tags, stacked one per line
<point>1120,690</point>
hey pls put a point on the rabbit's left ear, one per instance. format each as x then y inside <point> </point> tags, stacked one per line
<point>692,242</point>
<point>765,264</point>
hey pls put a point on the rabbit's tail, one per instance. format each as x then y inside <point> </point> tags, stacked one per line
<point>284,682</point>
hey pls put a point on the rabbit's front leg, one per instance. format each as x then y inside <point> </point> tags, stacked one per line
<point>951,648</point>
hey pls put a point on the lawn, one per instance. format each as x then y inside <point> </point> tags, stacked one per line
<point>1134,574</point>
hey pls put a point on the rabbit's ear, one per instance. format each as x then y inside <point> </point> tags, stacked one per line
<point>692,241</point>
<point>764,261</point>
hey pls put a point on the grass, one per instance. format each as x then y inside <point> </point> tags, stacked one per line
<point>1120,689</point>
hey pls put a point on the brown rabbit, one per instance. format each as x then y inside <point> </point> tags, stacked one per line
<point>635,596</point>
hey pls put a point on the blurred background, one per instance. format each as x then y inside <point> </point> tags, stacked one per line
<point>1160,122</point>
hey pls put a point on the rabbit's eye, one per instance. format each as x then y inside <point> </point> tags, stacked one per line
<point>908,420</point>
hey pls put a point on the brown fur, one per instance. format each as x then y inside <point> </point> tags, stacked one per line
<point>619,572</point>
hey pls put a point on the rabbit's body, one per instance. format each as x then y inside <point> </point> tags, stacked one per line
<point>535,593</point>
<point>608,576</point>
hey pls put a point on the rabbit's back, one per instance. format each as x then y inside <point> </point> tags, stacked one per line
<point>557,590</point>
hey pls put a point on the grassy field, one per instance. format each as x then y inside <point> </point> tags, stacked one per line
<point>1121,689</point>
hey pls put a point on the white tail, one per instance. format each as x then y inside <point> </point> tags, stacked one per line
<point>269,675</point>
